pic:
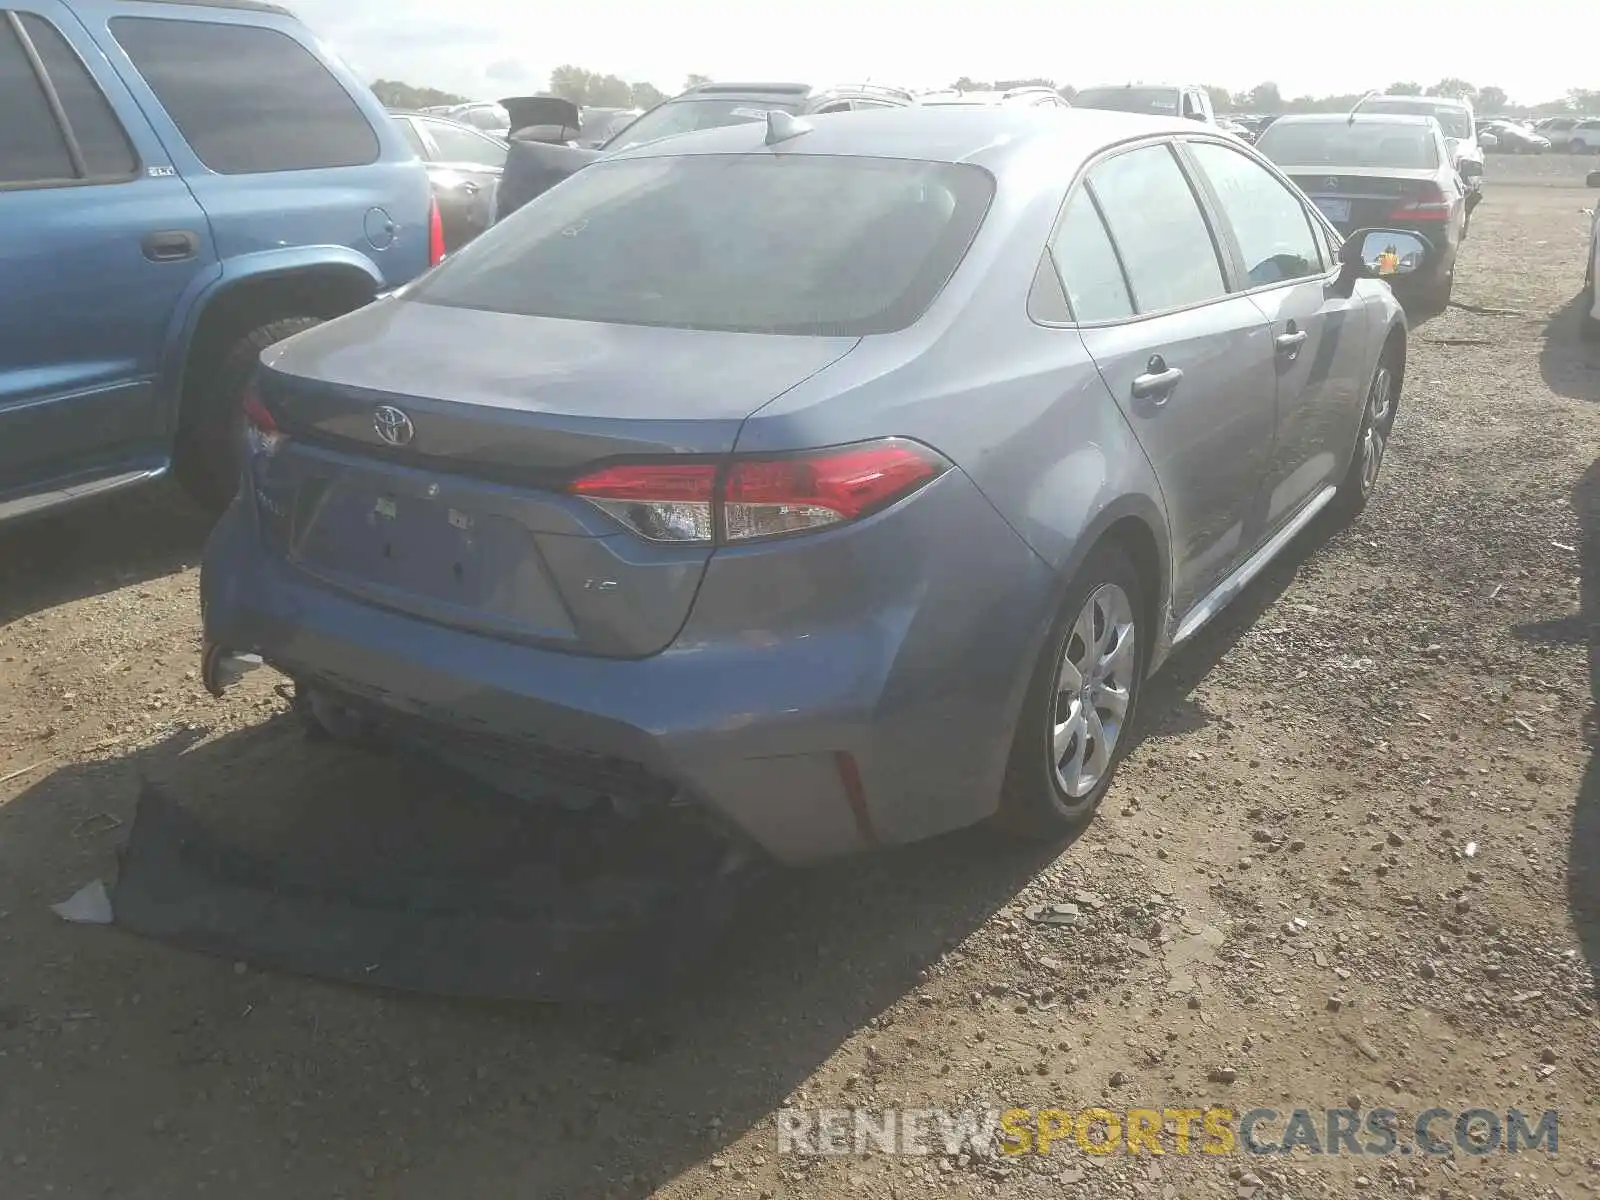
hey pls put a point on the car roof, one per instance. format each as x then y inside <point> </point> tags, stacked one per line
<point>988,135</point>
<point>260,6</point>
<point>1432,101</point>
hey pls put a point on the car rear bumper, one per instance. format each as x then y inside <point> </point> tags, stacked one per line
<point>812,728</point>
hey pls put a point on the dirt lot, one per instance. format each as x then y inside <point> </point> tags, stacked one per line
<point>1351,860</point>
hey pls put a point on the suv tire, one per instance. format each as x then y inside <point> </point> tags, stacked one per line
<point>211,440</point>
<point>1103,611</point>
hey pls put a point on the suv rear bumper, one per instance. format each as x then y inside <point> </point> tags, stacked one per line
<point>810,742</point>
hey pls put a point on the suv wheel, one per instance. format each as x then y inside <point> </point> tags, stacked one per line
<point>1080,703</point>
<point>1366,464</point>
<point>211,440</point>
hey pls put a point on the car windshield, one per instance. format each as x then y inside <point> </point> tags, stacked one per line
<point>686,116</point>
<point>1159,101</point>
<point>1456,122</point>
<point>793,244</point>
<point>1349,144</point>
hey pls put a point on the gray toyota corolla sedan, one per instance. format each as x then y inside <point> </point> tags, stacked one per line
<point>843,477</point>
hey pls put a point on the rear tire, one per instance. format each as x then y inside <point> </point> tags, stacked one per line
<point>1372,443</point>
<point>211,438</point>
<point>1081,702</point>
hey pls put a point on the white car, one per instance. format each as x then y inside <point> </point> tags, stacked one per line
<point>1585,137</point>
<point>1591,294</point>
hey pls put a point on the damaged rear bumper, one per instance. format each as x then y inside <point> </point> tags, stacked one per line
<point>810,745</point>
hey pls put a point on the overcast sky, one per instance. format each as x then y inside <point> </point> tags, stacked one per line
<point>1535,49</point>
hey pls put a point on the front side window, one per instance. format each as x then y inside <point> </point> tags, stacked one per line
<point>1156,223</point>
<point>1087,264</point>
<point>1268,221</point>
<point>247,99</point>
<point>802,244</point>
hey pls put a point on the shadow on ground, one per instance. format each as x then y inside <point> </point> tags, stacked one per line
<point>1583,855</point>
<point>1570,366</point>
<point>152,1072</point>
<point>98,547</point>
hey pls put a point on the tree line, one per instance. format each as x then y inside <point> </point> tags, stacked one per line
<point>590,88</point>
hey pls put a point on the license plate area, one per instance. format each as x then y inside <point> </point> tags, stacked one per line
<point>1335,208</point>
<point>425,546</point>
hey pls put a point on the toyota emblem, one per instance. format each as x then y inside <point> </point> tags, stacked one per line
<point>393,426</point>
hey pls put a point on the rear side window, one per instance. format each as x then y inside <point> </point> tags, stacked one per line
<point>1155,221</point>
<point>247,99</point>
<point>107,153</point>
<point>464,146</point>
<point>791,244</point>
<point>413,139</point>
<point>1088,264</point>
<point>34,147</point>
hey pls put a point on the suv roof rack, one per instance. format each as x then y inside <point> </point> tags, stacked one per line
<point>880,89</point>
<point>260,6</point>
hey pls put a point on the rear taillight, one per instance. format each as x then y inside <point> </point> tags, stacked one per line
<point>261,432</point>
<point>746,498</point>
<point>1430,205</point>
<point>435,235</point>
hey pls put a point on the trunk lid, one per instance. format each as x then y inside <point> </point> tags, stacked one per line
<point>464,522</point>
<point>1360,197</point>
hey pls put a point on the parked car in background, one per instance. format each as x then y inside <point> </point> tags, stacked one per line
<point>597,126</point>
<point>1557,129</point>
<point>1584,137</point>
<point>1190,101</point>
<point>464,167</point>
<point>1455,118</point>
<point>485,116</point>
<point>181,186</point>
<point>1026,97</point>
<point>534,168</point>
<point>731,475</point>
<point>1237,128</point>
<point>1513,137</point>
<point>1366,169</point>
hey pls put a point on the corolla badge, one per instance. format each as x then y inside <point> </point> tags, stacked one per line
<point>393,426</point>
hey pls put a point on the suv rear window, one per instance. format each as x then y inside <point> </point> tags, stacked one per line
<point>1344,144</point>
<point>246,98</point>
<point>1157,101</point>
<point>1455,120</point>
<point>798,244</point>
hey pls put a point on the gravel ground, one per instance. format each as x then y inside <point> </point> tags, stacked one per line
<point>1350,861</point>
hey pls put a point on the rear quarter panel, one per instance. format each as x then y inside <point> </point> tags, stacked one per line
<point>347,207</point>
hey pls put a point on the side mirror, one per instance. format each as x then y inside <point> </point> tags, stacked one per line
<point>1471,168</point>
<point>1592,179</point>
<point>1384,253</point>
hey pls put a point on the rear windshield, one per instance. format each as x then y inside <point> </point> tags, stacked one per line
<point>1456,122</point>
<point>1162,102</point>
<point>686,116</point>
<point>794,244</point>
<point>1342,144</point>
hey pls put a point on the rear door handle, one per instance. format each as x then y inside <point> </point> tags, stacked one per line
<point>1291,341</point>
<point>469,187</point>
<point>1157,382</point>
<point>171,245</point>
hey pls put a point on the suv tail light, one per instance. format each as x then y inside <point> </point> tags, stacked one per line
<point>261,432</point>
<point>1430,205</point>
<point>435,234</point>
<point>747,498</point>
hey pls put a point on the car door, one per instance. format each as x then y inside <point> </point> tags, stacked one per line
<point>465,167</point>
<point>1319,336</point>
<point>100,241</point>
<point>1190,363</point>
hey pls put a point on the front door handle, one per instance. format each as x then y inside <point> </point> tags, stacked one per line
<point>171,245</point>
<point>469,187</point>
<point>1157,381</point>
<point>1290,341</point>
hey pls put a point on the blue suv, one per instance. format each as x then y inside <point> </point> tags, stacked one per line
<point>182,183</point>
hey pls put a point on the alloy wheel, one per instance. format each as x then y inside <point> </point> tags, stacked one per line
<point>1094,687</point>
<point>1375,429</point>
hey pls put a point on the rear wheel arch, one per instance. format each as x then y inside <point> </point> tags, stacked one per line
<point>236,322</point>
